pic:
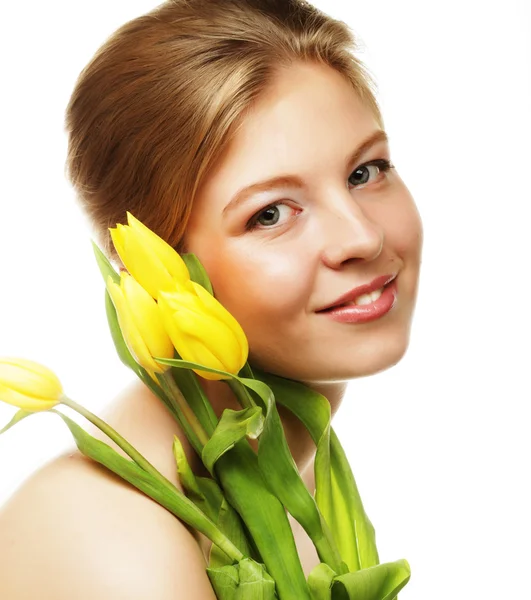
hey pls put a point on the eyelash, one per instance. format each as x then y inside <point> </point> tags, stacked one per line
<point>383,165</point>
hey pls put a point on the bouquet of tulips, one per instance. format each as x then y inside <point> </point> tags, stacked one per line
<point>169,328</point>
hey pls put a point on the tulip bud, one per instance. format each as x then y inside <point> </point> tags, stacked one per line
<point>140,323</point>
<point>149,259</point>
<point>203,331</point>
<point>28,385</point>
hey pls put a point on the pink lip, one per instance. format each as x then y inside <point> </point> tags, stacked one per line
<point>350,296</point>
<point>367,312</point>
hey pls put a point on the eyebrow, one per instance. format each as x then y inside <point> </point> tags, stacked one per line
<point>267,185</point>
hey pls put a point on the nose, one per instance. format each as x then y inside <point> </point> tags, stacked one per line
<point>349,234</point>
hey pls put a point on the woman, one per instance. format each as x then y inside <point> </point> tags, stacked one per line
<point>175,118</point>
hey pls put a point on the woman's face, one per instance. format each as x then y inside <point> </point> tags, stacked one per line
<point>277,257</point>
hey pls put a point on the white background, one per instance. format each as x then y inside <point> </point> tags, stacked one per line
<point>440,443</point>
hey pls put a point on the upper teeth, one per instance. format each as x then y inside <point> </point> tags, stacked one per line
<point>366,298</point>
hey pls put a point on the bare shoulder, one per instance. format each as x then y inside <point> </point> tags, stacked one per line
<point>82,532</point>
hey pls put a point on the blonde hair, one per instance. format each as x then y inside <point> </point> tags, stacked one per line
<point>158,103</point>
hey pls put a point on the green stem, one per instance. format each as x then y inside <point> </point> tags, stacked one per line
<point>246,371</point>
<point>118,439</point>
<point>200,521</point>
<point>190,423</point>
<point>241,392</point>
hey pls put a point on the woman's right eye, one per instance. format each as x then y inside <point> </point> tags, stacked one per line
<point>272,217</point>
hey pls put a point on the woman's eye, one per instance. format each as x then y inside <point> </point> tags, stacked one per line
<point>361,174</point>
<point>269,215</point>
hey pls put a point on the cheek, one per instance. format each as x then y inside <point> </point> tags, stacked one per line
<point>403,226</point>
<point>260,287</point>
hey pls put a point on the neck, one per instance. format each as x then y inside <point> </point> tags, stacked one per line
<point>300,443</point>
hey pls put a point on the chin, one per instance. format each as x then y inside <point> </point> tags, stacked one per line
<point>358,361</point>
<point>376,357</point>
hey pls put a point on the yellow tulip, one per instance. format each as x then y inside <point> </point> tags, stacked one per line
<point>28,385</point>
<point>140,323</point>
<point>149,259</point>
<point>203,331</point>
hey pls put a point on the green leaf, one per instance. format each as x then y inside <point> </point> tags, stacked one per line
<point>227,519</point>
<point>186,475</point>
<point>265,518</point>
<point>247,580</point>
<point>212,494</point>
<point>104,265</point>
<point>197,271</point>
<point>246,371</point>
<point>255,582</point>
<point>320,582</point>
<point>186,364</point>
<point>233,426</point>
<point>276,463</point>
<point>381,582</point>
<point>336,493</point>
<point>242,482</point>
<point>231,525</point>
<point>283,478</point>
<point>188,383</point>
<point>225,581</point>
<point>19,415</point>
<point>346,508</point>
<point>206,494</point>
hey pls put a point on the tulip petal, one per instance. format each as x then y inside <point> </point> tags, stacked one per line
<point>201,354</point>
<point>117,240</point>
<point>31,365</point>
<point>215,307</point>
<point>214,334</point>
<point>189,320</point>
<point>147,318</point>
<point>132,337</point>
<point>166,254</point>
<point>190,349</point>
<point>183,298</point>
<point>15,398</point>
<point>136,344</point>
<point>145,266</point>
<point>30,379</point>
<point>171,303</point>
<point>166,312</point>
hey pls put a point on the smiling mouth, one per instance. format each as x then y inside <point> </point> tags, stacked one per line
<point>362,300</point>
<point>366,307</point>
<point>365,299</point>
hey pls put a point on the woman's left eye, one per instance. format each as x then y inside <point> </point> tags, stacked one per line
<point>380,166</point>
